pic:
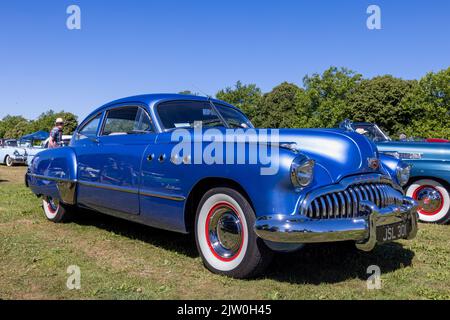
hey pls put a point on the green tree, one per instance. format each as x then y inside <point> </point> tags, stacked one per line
<point>46,121</point>
<point>381,100</point>
<point>429,106</point>
<point>245,97</point>
<point>328,95</point>
<point>10,125</point>
<point>280,108</point>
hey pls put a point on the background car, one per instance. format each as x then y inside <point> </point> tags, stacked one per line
<point>430,172</point>
<point>11,154</point>
<point>328,186</point>
<point>34,150</point>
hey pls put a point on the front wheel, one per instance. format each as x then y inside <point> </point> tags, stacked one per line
<point>225,237</point>
<point>55,211</point>
<point>9,161</point>
<point>433,198</point>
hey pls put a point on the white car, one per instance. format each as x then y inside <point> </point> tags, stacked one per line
<point>11,154</point>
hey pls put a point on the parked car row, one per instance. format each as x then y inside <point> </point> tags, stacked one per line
<point>19,152</point>
<point>330,184</point>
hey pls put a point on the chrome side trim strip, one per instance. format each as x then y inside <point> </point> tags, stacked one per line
<point>108,187</point>
<point>132,191</point>
<point>162,196</point>
<point>37,176</point>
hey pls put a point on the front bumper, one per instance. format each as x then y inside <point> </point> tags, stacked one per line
<point>300,229</point>
<point>19,159</point>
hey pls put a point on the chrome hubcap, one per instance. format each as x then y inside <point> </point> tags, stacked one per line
<point>430,200</point>
<point>52,204</point>
<point>225,232</point>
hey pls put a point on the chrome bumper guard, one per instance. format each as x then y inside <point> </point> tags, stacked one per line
<point>363,230</point>
<point>19,159</point>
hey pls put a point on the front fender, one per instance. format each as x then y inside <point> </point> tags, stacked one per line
<point>53,173</point>
<point>430,168</point>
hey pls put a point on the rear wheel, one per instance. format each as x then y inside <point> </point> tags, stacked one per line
<point>225,237</point>
<point>433,198</point>
<point>55,211</point>
<point>9,162</point>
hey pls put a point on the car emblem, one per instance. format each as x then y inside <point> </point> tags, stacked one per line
<point>374,163</point>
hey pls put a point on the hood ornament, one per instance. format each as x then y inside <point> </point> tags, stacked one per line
<point>373,163</point>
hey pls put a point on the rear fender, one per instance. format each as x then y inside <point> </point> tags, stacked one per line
<point>53,173</point>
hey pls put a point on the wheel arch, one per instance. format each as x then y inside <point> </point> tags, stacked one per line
<point>200,188</point>
<point>424,177</point>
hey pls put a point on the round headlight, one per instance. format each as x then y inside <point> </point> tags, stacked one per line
<point>403,173</point>
<point>302,171</point>
<point>16,153</point>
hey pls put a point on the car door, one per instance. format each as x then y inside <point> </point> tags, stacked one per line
<point>165,184</point>
<point>110,165</point>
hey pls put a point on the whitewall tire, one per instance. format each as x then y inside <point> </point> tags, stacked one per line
<point>55,211</point>
<point>8,161</point>
<point>225,237</point>
<point>433,198</point>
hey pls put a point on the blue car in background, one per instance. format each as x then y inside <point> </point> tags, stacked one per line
<point>430,170</point>
<point>148,159</point>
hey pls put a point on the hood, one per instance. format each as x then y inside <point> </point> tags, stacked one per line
<point>339,152</point>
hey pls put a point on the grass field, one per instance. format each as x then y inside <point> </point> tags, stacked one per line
<point>123,260</point>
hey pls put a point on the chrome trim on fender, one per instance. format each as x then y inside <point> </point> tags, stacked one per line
<point>108,187</point>
<point>132,190</point>
<point>300,229</point>
<point>66,187</point>
<point>162,196</point>
<point>41,177</point>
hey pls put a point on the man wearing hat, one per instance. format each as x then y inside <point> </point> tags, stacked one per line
<point>56,134</point>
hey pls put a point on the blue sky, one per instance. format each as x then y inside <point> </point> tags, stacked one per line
<point>144,46</point>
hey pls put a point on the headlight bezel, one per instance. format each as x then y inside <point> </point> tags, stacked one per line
<point>302,172</point>
<point>403,173</point>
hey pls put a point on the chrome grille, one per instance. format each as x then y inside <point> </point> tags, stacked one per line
<point>345,204</point>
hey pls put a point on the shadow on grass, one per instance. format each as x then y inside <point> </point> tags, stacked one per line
<point>314,264</point>
<point>181,243</point>
<point>337,262</point>
<point>1,180</point>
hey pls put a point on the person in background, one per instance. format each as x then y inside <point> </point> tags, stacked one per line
<point>56,134</point>
<point>403,137</point>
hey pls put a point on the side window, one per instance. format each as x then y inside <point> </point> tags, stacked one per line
<point>143,122</point>
<point>89,130</point>
<point>127,120</point>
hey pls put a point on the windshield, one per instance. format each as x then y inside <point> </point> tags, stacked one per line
<point>185,114</point>
<point>11,143</point>
<point>233,117</point>
<point>371,131</point>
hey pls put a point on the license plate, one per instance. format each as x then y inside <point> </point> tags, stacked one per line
<point>392,232</point>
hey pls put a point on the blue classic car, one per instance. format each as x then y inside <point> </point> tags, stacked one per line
<point>195,164</point>
<point>430,170</point>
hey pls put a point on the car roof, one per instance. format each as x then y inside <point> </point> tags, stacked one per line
<point>152,99</point>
